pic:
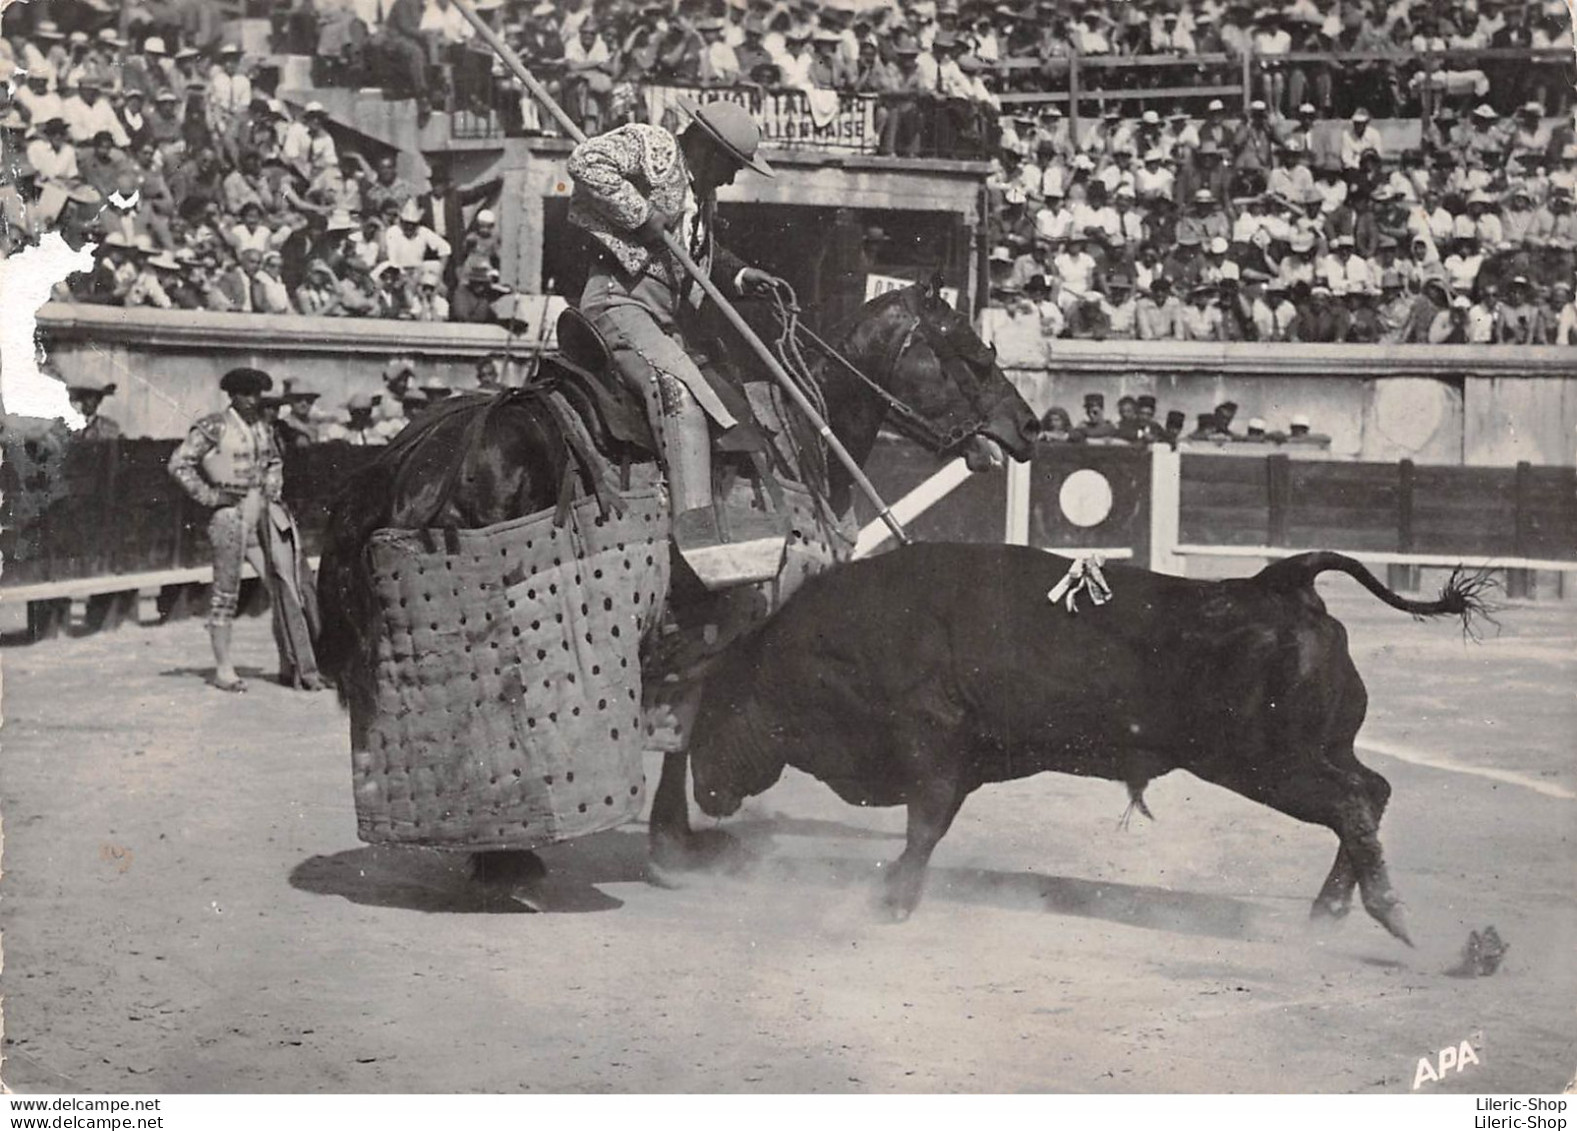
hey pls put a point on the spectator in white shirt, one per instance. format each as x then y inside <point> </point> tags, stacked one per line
<point>411,243</point>
<point>1566,322</point>
<point>1462,265</point>
<point>1358,138</point>
<point>251,234</point>
<point>1343,271</point>
<point>1075,268</point>
<point>1055,219</point>
<point>86,113</point>
<point>36,98</point>
<point>229,89</point>
<point>1486,225</point>
<point>307,146</point>
<point>1154,181</point>
<point>795,62</point>
<point>52,155</point>
<point>444,20</point>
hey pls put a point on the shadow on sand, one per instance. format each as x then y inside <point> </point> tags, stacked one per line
<point>427,880</point>
<point>1133,905</point>
<point>422,879</point>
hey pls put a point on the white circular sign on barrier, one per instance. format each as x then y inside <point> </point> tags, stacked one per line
<point>1085,498</point>
<point>1408,411</point>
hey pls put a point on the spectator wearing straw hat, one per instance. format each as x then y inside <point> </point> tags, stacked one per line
<point>1253,151</point>
<point>294,426</point>
<point>1359,138</point>
<point>148,288</point>
<point>1519,321</point>
<point>88,112</point>
<point>1487,140</point>
<point>478,290</point>
<point>149,71</point>
<point>229,87</point>
<point>318,295</point>
<point>412,242</point>
<point>36,98</point>
<point>307,147</point>
<point>428,302</point>
<point>1561,315</point>
<point>357,426</point>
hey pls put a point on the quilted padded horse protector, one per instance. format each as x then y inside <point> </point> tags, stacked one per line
<point>508,710</point>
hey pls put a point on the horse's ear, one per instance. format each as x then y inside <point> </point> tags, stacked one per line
<point>936,286</point>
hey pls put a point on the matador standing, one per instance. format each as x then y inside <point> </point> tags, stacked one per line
<point>229,462</point>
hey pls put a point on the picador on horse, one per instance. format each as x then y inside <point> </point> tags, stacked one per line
<point>501,604</point>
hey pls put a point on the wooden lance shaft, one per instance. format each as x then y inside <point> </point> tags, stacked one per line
<point>539,92</point>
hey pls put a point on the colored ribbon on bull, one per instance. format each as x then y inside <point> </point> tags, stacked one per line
<point>681,253</point>
<point>1083,576</point>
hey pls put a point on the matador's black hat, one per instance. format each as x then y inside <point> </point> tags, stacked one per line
<point>245,381</point>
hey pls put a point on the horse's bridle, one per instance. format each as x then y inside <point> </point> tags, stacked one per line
<point>916,426</point>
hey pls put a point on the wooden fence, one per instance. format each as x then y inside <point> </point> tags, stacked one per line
<point>104,520</point>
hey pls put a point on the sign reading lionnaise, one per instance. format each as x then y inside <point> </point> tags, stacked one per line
<point>793,119</point>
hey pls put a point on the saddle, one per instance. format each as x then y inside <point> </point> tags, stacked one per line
<point>584,368</point>
<point>741,537</point>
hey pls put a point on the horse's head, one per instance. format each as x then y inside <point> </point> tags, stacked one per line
<point>950,395</point>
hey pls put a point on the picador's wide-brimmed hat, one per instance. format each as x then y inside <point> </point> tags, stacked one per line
<point>731,127</point>
<point>245,381</point>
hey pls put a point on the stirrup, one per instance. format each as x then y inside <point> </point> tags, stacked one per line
<point>727,545</point>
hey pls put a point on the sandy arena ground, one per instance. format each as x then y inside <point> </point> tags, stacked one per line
<point>186,908</point>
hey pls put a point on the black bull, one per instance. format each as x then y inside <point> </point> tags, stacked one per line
<point>917,676</point>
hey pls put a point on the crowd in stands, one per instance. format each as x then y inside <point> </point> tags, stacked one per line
<point>373,419</point>
<point>939,68</point>
<point>1137,423</point>
<point>298,420</point>
<point>204,191</point>
<point>1165,227</point>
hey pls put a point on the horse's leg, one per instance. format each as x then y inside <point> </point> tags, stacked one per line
<point>671,842</point>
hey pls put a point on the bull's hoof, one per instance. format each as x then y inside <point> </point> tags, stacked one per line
<point>893,913</point>
<point>706,850</point>
<point>900,895</point>
<point>1329,913</point>
<point>1392,917</point>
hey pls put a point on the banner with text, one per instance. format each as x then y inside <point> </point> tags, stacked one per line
<point>789,119</point>
<point>881,284</point>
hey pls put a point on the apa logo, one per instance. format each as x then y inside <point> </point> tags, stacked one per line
<point>1452,1056</point>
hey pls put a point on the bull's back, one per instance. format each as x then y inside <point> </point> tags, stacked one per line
<point>935,634</point>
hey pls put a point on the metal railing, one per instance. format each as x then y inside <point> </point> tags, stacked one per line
<point>1081,80</point>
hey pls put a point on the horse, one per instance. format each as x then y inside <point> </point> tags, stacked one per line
<point>907,359</point>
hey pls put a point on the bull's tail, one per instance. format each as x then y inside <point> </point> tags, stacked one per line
<point>1463,594</point>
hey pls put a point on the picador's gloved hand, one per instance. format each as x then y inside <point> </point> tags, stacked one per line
<point>656,224</point>
<point>754,281</point>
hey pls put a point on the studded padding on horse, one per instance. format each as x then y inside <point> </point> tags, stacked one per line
<point>509,684</point>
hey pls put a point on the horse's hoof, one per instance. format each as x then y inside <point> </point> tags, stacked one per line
<point>706,850</point>
<point>529,897</point>
<point>510,877</point>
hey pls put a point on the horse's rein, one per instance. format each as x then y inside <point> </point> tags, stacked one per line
<point>787,307</point>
